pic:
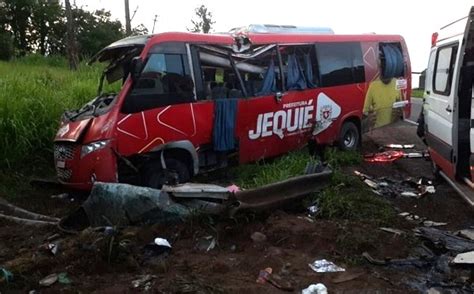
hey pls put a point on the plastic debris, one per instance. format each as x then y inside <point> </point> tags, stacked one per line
<point>53,248</point>
<point>464,258</point>
<point>5,276</point>
<point>408,187</point>
<point>207,244</point>
<point>266,276</point>
<point>145,282</point>
<point>325,266</point>
<point>162,242</point>
<point>64,279</point>
<point>400,146</point>
<point>467,233</point>
<point>428,223</point>
<point>258,237</point>
<point>392,155</point>
<point>157,247</point>
<point>393,231</point>
<point>233,188</point>
<point>49,280</point>
<point>313,210</point>
<point>315,289</point>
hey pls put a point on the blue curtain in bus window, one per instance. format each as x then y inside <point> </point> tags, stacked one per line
<point>393,66</point>
<point>268,85</point>
<point>225,115</point>
<point>308,69</point>
<point>294,78</point>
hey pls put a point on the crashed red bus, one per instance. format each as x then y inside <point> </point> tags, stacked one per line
<point>194,102</point>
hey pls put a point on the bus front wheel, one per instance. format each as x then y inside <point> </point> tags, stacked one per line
<point>176,172</point>
<point>349,137</point>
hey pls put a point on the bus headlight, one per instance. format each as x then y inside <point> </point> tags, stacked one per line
<point>94,146</point>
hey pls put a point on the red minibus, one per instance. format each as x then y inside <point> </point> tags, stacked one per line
<point>194,102</point>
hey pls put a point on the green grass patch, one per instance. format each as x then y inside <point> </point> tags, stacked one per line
<point>34,92</point>
<point>267,172</point>
<point>418,93</point>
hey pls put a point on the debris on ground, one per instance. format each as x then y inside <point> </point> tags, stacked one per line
<point>393,231</point>
<point>22,216</point>
<point>266,276</point>
<point>315,289</point>
<point>392,155</point>
<point>464,258</point>
<point>400,146</point>
<point>408,187</point>
<point>5,276</point>
<point>158,247</point>
<point>49,280</point>
<point>347,276</point>
<point>258,237</point>
<point>466,233</point>
<point>64,279</point>
<point>144,282</point>
<point>325,266</point>
<point>428,223</point>
<point>445,239</point>
<point>207,243</point>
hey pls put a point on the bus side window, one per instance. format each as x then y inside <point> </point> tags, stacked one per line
<point>164,80</point>
<point>340,63</point>
<point>299,67</point>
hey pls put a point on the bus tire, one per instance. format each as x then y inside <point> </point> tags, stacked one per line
<point>349,137</point>
<point>176,172</point>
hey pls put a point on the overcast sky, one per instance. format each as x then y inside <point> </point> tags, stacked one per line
<point>415,20</point>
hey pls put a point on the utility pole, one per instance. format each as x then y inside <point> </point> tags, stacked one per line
<point>128,26</point>
<point>71,38</point>
<point>154,22</point>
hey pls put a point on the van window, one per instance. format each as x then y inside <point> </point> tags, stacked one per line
<point>443,72</point>
<point>165,80</point>
<point>392,61</point>
<point>340,63</point>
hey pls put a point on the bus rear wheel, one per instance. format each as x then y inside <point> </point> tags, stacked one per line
<point>349,137</point>
<point>155,176</point>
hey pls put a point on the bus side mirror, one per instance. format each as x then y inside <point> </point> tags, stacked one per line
<point>136,68</point>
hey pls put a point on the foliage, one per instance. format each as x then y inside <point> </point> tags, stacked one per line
<point>34,91</point>
<point>203,22</point>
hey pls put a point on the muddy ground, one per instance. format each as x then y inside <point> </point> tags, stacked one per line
<point>292,242</point>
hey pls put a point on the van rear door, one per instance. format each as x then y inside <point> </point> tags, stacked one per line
<point>439,106</point>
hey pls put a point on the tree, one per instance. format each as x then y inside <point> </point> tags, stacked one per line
<point>18,12</point>
<point>45,20</point>
<point>139,30</point>
<point>71,38</point>
<point>6,40</point>
<point>204,22</point>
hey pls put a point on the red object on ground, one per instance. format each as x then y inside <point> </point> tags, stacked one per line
<point>384,157</point>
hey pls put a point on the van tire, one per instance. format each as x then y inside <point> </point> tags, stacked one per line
<point>176,172</point>
<point>349,137</point>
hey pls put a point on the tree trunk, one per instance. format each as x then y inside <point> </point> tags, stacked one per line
<point>71,38</point>
<point>128,26</point>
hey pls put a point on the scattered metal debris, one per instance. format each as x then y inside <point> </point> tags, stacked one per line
<point>144,282</point>
<point>445,239</point>
<point>406,188</point>
<point>400,146</point>
<point>464,258</point>
<point>467,233</point>
<point>325,266</point>
<point>5,276</point>
<point>392,155</point>
<point>315,289</point>
<point>393,231</point>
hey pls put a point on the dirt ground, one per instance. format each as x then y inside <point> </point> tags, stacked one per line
<point>292,242</point>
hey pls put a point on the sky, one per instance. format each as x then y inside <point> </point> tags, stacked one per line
<point>415,20</point>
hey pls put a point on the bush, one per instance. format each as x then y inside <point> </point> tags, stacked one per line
<point>6,46</point>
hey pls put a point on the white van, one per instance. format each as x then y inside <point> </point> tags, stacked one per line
<point>448,109</point>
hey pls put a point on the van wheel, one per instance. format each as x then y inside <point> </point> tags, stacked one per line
<point>176,172</point>
<point>349,137</point>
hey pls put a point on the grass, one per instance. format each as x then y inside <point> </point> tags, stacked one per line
<point>266,172</point>
<point>417,93</point>
<point>34,91</point>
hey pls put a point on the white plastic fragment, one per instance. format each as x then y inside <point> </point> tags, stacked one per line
<point>162,242</point>
<point>428,223</point>
<point>325,266</point>
<point>464,258</point>
<point>315,289</point>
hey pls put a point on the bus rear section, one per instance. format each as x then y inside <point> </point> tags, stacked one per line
<point>448,108</point>
<point>192,103</point>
